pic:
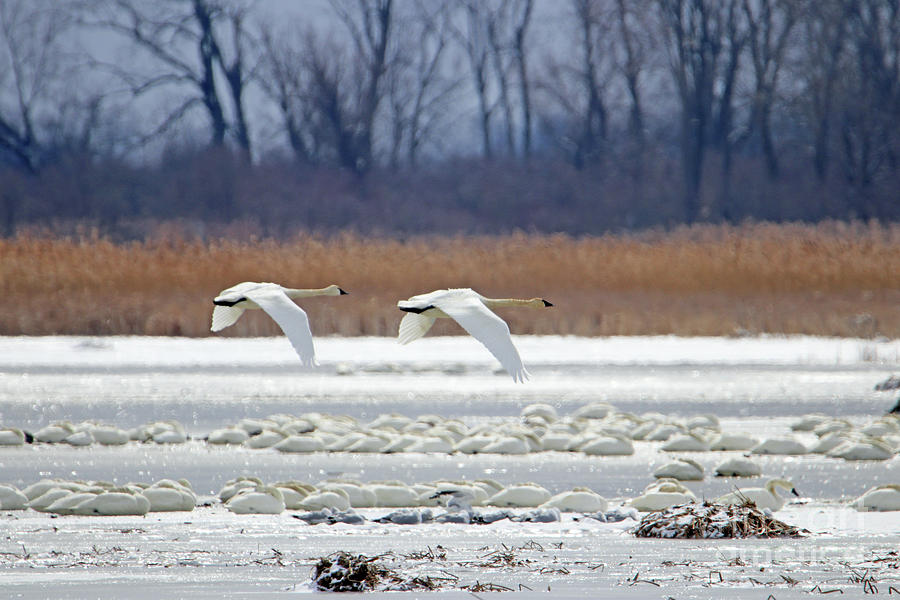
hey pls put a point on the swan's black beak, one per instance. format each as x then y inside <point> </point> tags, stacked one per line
<point>546,303</point>
<point>342,292</point>
<point>794,492</point>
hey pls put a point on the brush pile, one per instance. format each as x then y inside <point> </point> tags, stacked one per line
<point>709,520</point>
<point>344,572</point>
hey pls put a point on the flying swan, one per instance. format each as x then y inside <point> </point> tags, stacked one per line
<point>275,300</point>
<point>474,313</point>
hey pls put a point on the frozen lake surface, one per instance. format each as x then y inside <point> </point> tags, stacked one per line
<point>757,386</point>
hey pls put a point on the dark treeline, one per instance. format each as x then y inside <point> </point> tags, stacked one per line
<point>482,116</point>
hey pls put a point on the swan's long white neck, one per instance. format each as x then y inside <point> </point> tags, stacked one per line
<point>331,290</point>
<point>503,302</point>
<point>774,484</point>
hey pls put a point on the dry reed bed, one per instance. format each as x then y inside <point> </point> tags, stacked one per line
<point>830,279</point>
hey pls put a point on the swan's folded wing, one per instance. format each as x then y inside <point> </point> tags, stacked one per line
<point>413,326</point>
<point>223,316</point>
<point>487,328</point>
<point>291,318</point>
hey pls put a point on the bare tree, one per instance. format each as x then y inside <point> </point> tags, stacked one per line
<point>496,21</point>
<point>283,77</point>
<point>474,39</point>
<point>870,110</point>
<point>631,17</point>
<point>507,29</point>
<point>825,40</point>
<point>576,83</point>
<point>723,134</point>
<point>331,90</point>
<point>704,47</point>
<point>237,69</point>
<point>167,31</point>
<point>420,81</point>
<point>32,72</point>
<point>370,25</point>
<point>769,26</point>
<point>525,8</point>
<point>338,127</point>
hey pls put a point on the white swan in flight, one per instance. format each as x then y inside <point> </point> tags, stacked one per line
<point>275,300</point>
<point>474,313</point>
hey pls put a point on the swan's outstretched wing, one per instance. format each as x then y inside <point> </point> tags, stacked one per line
<point>223,316</point>
<point>413,326</point>
<point>290,317</point>
<point>487,328</point>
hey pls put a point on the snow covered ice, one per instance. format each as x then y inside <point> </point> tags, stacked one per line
<point>757,387</point>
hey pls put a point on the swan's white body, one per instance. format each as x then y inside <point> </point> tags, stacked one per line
<point>579,499</point>
<point>506,444</point>
<point>333,498</point>
<point>266,439</point>
<point>119,501</point>
<point>300,444</point>
<point>682,469</point>
<point>607,445</point>
<point>781,446</point>
<point>233,486</point>
<point>864,449</point>
<point>276,301</point>
<point>764,498</point>
<point>473,312</point>
<point>108,435</point>
<point>474,495</point>
<point>520,495</point>
<point>41,502</point>
<point>883,497</point>
<point>261,500</point>
<point>457,500</point>
<point>228,436</point>
<point>11,436</point>
<point>55,433</point>
<point>733,441</point>
<point>359,495</point>
<point>738,466</point>
<point>167,495</point>
<point>685,442</point>
<point>393,494</point>
<point>12,499</point>
<point>662,494</point>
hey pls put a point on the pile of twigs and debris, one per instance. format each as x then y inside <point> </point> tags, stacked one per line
<point>709,520</point>
<point>344,572</point>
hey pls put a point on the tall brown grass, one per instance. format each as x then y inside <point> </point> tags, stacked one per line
<point>829,279</point>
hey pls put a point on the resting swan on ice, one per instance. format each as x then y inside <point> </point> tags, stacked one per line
<point>275,300</point>
<point>260,500</point>
<point>881,498</point>
<point>474,313</point>
<point>766,497</point>
<point>662,494</point>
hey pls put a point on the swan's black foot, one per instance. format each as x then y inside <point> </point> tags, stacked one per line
<point>896,408</point>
